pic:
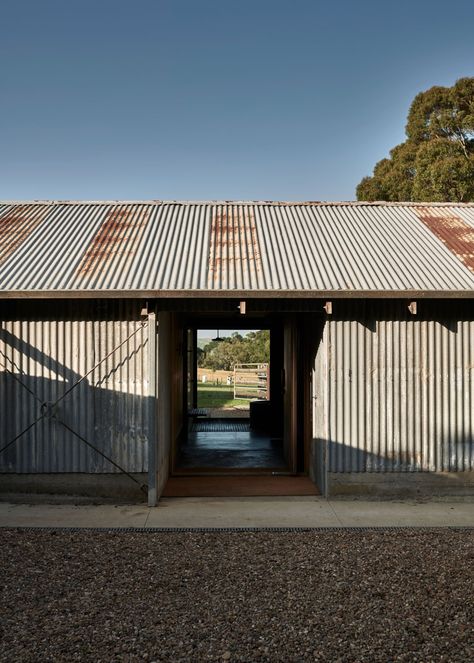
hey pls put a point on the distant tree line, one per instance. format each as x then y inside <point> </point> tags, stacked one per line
<point>436,161</point>
<point>221,355</point>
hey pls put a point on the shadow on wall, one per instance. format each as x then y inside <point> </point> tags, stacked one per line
<point>106,409</point>
<point>447,454</point>
<point>398,394</point>
<point>353,471</point>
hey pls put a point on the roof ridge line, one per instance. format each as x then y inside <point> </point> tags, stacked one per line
<point>276,203</point>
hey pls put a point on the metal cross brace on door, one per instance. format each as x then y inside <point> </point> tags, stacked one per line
<point>49,410</point>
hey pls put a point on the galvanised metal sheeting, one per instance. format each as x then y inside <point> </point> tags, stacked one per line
<point>171,247</point>
<point>45,348</point>
<point>400,388</point>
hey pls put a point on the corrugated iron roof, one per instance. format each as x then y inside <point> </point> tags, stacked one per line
<point>65,248</point>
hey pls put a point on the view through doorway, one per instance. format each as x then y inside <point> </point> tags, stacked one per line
<point>234,410</point>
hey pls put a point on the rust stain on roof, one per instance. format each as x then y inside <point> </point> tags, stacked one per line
<point>234,246</point>
<point>455,233</point>
<point>17,225</point>
<point>118,237</point>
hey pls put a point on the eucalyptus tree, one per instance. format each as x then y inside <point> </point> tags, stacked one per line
<point>436,161</point>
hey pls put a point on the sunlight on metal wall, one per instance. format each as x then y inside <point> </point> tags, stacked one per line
<point>400,389</point>
<point>45,350</point>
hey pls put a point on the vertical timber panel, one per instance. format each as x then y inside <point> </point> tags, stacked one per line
<point>152,406</point>
<point>164,400</point>
<point>290,393</point>
<point>318,466</point>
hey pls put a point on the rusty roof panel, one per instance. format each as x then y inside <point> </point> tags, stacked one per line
<point>224,247</point>
<point>234,258</point>
<point>118,237</point>
<point>16,224</point>
<point>452,230</point>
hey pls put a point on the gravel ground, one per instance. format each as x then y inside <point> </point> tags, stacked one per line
<point>246,596</point>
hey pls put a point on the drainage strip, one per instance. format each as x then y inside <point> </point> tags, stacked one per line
<point>193,530</point>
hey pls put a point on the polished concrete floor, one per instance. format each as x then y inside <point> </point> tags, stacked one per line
<point>230,449</point>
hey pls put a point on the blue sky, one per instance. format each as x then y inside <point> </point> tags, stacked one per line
<point>214,99</point>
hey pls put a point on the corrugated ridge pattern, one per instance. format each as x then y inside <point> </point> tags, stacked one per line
<point>234,259</point>
<point>401,392</point>
<point>47,352</point>
<point>16,224</point>
<point>228,246</point>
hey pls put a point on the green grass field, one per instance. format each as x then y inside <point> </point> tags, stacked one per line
<point>213,396</point>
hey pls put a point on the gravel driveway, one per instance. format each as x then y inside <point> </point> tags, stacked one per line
<point>258,596</point>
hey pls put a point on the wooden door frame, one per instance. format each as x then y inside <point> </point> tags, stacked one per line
<point>293,345</point>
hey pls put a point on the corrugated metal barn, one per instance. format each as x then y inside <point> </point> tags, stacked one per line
<point>370,306</point>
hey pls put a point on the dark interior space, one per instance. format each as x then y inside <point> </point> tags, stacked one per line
<point>247,435</point>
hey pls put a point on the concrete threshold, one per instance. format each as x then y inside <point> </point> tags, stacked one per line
<point>242,512</point>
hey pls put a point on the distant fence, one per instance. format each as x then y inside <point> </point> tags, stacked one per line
<point>252,381</point>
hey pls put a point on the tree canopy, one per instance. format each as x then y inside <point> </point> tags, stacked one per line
<point>436,161</point>
<point>254,347</point>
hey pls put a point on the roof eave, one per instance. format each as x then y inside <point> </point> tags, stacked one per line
<point>237,294</point>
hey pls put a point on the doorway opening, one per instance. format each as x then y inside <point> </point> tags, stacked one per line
<point>234,402</point>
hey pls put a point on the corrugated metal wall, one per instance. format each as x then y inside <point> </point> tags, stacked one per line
<point>400,394</point>
<point>393,392</point>
<point>47,347</point>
